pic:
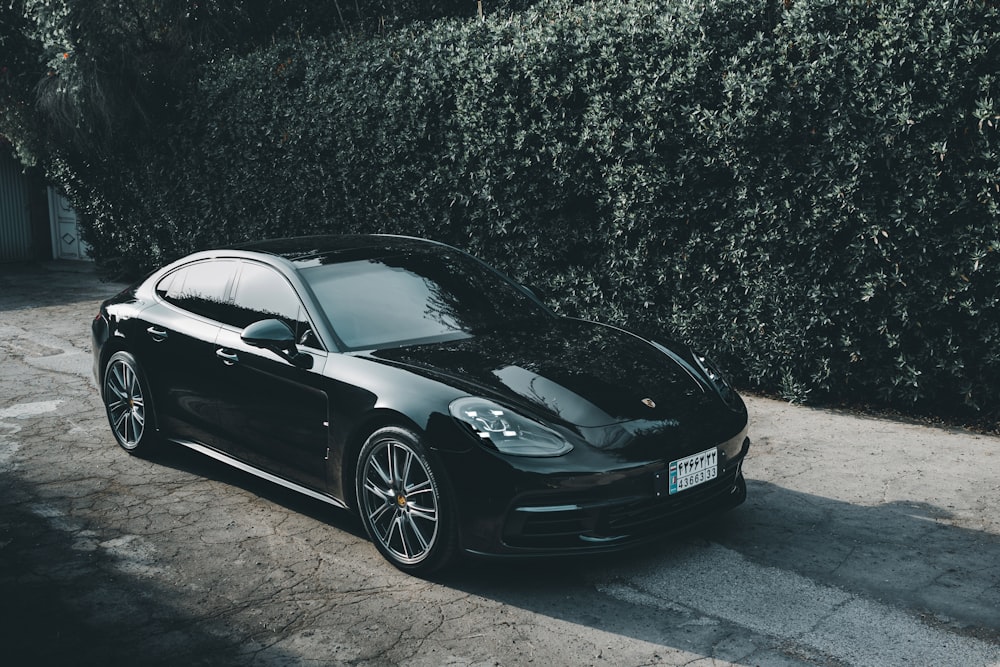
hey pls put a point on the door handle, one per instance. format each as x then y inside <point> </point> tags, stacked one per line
<point>228,358</point>
<point>158,335</point>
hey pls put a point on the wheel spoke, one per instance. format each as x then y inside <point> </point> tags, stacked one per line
<point>117,409</point>
<point>116,384</point>
<point>393,469</point>
<point>128,382</point>
<point>117,373</point>
<point>378,515</point>
<point>120,424</point>
<point>407,464</point>
<point>382,473</point>
<point>396,527</point>
<point>423,487</point>
<point>415,531</point>
<point>117,389</point>
<point>377,491</point>
<point>386,533</point>
<point>405,537</point>
<point>425,513</point>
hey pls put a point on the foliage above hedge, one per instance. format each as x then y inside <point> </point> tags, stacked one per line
<point>807,189</point>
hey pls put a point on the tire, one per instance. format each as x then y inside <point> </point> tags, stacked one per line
<point>404,504</point>
<point>126,400</point>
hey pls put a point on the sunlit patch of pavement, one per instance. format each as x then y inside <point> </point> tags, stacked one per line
<point>9,427</point>
<point>716,583</point>
<point>27,410</point>
<point>45,351</point>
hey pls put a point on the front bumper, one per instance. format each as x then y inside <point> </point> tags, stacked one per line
<point>565,514</point>
<point>619,522</point>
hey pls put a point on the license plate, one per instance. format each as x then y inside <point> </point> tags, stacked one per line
<point>693,470</point>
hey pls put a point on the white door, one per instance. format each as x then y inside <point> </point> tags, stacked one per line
<point>66,243</point>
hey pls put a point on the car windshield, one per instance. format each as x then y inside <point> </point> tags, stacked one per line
<point>416,297</point>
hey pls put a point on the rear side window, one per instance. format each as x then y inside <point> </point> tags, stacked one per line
<point>200,288</point>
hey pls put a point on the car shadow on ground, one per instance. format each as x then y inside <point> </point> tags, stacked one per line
<point>63,601</point>
<point>181,458</point>
<point>67,605</point>
<point>906,555</point>
<point>903,555</point>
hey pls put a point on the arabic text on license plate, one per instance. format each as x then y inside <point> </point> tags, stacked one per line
<point>694,470</point>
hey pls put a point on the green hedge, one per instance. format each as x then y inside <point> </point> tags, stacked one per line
<point>807,189</point>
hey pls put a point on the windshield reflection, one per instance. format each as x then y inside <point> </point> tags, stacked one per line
<point>416,297</point>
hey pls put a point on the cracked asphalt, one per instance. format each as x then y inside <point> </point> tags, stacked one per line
<point>864,541</point>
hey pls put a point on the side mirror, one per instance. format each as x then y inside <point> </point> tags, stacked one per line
<point>269,334</point>
<point>276,336</point>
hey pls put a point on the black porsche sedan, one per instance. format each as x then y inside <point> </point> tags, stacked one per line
<point>409,382</point>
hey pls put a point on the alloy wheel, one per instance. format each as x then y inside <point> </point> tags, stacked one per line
<point>126,404</point>
<point>399,501</point>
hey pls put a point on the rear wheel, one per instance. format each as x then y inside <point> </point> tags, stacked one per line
<point>404,506</point>
<point>126,398</point>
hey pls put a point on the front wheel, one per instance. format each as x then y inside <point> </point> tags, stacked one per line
<point>404,506</point>
<point>126,399</point>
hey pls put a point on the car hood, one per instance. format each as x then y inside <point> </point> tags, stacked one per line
<point>575,372</point>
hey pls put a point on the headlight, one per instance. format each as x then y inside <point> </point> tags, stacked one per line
<point>506,431</point>
<point>717,378</point>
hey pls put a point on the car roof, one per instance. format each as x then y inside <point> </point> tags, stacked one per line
<point>330,249</point>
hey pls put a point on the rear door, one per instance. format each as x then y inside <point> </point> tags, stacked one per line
<point>176,345</point>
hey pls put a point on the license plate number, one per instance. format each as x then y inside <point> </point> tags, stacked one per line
<point>693,470</point>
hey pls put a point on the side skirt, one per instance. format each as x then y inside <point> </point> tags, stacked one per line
<point>245,467</point>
